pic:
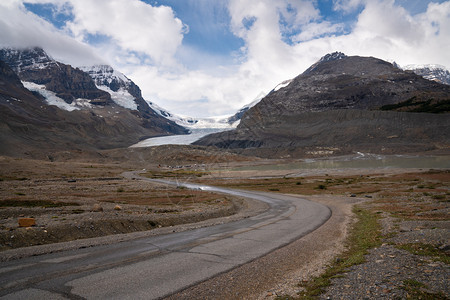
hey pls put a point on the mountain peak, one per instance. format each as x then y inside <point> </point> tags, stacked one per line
<point>105,75</point>
<point>26,59</point>
<point>326,58</point>
<point>332,56</point>
<point>338,64</point>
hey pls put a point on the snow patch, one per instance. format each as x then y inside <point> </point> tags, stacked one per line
<point>282,85</point>
<point>50,97</point>
<point>122,97</point>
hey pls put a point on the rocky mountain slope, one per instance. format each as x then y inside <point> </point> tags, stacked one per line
<point>343,104</point>
<point>34,65</point>
<point>49,106</point>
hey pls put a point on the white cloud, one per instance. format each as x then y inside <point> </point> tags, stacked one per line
<point>20,28</point>
<point>347,5</point>
<point>314,30</point>
<point>388,31</point>
<point>132,25</point>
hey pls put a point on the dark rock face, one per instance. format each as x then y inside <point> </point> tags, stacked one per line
<point>7,76</point>
<point>34,65</point>
<point>335,103</point>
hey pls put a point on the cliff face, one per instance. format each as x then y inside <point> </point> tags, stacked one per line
<point>336,103</point>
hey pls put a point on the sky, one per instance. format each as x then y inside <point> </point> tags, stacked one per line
<point>211,57</point>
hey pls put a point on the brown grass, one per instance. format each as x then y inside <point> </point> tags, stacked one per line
<point>31,180</point>
<point>423,196</point>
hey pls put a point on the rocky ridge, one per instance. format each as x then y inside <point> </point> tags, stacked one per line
<point>336,105</point>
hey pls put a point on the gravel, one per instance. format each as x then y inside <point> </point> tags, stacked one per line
<point>386,275</point>
<point>393,273</point>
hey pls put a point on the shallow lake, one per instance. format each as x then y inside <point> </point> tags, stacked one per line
<point>360,160</point>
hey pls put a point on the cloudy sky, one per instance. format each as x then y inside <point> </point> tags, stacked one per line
<point>211,57</point>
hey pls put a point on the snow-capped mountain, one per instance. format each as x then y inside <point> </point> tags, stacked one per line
<point>436,73</point>
<point>30,59</point>
<point>98,106</point>
<point>126,93</point>
<point>33,65</point>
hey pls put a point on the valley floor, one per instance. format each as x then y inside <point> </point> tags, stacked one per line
<point>80,200</point>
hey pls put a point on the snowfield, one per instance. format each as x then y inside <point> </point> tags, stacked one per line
<point>52,99</point>
<point>122,97</point>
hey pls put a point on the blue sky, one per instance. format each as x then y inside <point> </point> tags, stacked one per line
<point>205,57</point>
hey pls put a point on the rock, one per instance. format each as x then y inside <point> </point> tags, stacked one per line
<point>117,207</point>
<point>97,207</point>
<point>27,222</point>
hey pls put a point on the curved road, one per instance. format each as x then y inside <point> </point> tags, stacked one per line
<point>158,266</point>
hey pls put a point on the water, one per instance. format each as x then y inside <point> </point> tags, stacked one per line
<point>185,139</point>
<point>360,160</point>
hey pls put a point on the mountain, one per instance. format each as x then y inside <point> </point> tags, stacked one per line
<point>123,91</point>
<point>50,106</point>
<point>34,65</point>
<point>436,73</point>
<point>343,104</point>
